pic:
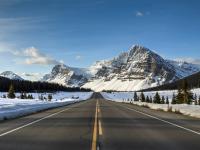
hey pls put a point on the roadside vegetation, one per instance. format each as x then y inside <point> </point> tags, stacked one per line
<point>184,96</point>
<point>184,100</point>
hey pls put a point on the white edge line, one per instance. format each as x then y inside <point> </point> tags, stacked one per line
<point>18,128</point>
<point>173,124</point>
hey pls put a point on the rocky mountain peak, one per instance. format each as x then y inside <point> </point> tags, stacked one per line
<point>137,49</point>
<point>60,68</point>
<point>138,52</point>
<point>136,69</point>
<point>62,74</point>
<point>11,75</point>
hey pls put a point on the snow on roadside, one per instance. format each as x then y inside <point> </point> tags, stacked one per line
<point>12,108</point>
<point>190,110</point>
<point>58,95</point>
<point>120,96</point>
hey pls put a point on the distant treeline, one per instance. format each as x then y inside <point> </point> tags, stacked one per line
<point>193,81</point>
<point>29,86</point>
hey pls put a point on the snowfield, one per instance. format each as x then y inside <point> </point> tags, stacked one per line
<point>99,85</point>
<point>190,110</point>
<point>12,108</point>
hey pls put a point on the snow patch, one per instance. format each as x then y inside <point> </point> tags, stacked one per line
<point>190,110</point>
<point>12,108</point>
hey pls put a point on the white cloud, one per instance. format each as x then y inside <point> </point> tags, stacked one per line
<point>31,76</point>
<point>142,14</point>
<point>61,62</point>
<point>139,14</point>
<point>29,56</point>
<point>34,56</point>
<point>189,60</point>
<point>78,57</point>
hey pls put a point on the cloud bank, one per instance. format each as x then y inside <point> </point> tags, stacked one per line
<point>189,60</point>
<point>30,56</point>
<point>34,56</point>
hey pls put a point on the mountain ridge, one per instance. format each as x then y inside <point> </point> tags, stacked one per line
<point>11,75</point>
<point>135,69</point>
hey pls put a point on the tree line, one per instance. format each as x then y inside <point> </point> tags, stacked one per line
<point>157,99</point>
<point>35,86</point>
<point>24,95</point>
<point>149,99</point>
<point>193,81</point>
<point>183,96</point>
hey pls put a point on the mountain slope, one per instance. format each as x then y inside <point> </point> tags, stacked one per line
<point>137,69</point>
<point>184,69</point>
<point>11,75</point>
<point>62,74</point>
<point>193,81</point>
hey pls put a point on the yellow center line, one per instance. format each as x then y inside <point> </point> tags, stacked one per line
<point>99,121</point>
<point>94,137</point>
<point>100,128</point>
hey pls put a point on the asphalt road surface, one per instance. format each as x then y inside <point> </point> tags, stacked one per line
<point>101,124</point>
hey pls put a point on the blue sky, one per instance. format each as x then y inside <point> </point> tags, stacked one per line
<point>37,34</point>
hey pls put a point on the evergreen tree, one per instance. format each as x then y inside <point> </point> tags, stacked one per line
<point>147,99</point>
<point>150,100</point>
<point>30,96</point>
<point>135,97</point>
<point>199,100</point>
<point>50,97</point>
<point>41,97</point>
<point>21,96</point>
<point>195,102</point>
<point>187,94</point>
<point>179,97</point>
<point>142,97</point>
<point>163,100</point>
<point>167,100</point>
<point>25,96</point>
<point>195,96</point>
<point>173,99</point>
<point>11,92</point>
<point>157,98</point>
<point>195,99</point>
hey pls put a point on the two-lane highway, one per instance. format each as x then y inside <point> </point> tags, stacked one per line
<point>68,128</point>
<point>126,127</point>
<point>101,124</point>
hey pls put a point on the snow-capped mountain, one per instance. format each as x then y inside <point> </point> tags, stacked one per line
<point>11,75</point>
<point>72,77</point>
<point>136,69</point>
<point>184,69</point>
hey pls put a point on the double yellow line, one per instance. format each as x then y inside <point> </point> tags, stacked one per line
<point>97,125</point>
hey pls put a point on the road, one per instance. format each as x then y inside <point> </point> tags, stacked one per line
<point>101,124</point>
